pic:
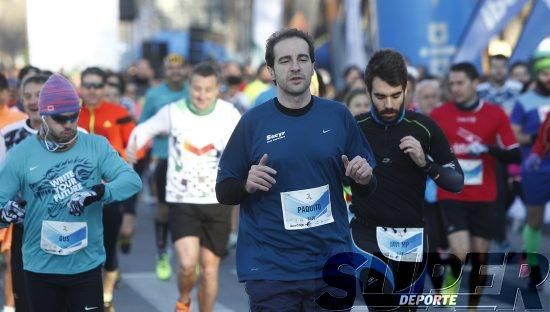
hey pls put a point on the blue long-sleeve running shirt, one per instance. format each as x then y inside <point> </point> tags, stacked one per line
<point>290,231</point>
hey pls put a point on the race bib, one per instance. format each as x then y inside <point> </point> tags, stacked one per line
<point>308,208</point>
<point>63,238</point>
<point>473,171</point>
<point>399,244</point>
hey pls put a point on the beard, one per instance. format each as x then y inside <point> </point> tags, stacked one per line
<point>543,88</point>
<point>63,137</point>
<point>388,111</point>
<point>397,112</point>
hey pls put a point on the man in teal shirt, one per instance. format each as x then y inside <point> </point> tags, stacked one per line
<point>63,178</point>
<point>171,90</point>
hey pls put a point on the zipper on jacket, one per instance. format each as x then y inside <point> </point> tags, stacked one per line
<point>386,159</point>
<point>92,121</point>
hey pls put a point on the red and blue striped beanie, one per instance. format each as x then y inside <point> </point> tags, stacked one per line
<point>58,96</point>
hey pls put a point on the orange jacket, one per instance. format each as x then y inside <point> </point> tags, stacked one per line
<point>10,115</point>
<point>111,121</point>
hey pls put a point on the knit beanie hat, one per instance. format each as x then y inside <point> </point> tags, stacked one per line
<point>58,96</point>
<point>541,64</point>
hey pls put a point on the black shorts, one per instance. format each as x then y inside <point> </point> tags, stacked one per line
<point>478,218</point>
<point>437,236</point>
<point>160,179</point>
<point>211,223</point>
<point>112,221</point>
<point>54,292</point>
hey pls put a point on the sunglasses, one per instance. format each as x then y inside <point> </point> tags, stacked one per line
<point>91,85</point>
<point>63,119</point>
<point>113,84</point>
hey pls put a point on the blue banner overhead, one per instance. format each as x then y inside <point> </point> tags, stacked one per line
<point>425,31</point>
<point>490,18</point>
<point>535,30</point>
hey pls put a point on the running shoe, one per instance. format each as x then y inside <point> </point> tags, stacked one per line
<point>118,281</point>
<point>533,272</point>
<point>125,244</point>
<point>182,307</point>
<point>451,285</point>
<point>164,269</point>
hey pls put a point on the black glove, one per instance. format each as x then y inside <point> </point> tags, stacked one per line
<point>81,199</point>
<point>13,212</point>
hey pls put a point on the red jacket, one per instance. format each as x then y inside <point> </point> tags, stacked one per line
<point>542,144</point>
<point>111,121</point>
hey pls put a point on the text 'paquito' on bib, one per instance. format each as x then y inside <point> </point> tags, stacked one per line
<point>307,208</point>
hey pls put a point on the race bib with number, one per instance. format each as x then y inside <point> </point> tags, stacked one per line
<point>308,208</point>
<point>399,244</point>
<point>473,171</point>
<point>63,238</point>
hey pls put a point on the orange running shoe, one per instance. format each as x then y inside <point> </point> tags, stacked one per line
<point>182,307</point>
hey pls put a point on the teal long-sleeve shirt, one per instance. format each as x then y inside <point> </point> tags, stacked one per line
<point>47,180</point>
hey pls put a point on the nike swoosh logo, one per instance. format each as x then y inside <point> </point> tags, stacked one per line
<point>88,309</point>
<point>32,168</point>
<point>325,131</point>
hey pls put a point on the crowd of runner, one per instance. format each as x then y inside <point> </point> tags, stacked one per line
<point>275,160</point>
